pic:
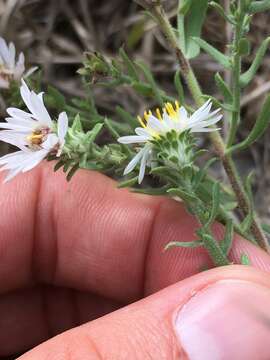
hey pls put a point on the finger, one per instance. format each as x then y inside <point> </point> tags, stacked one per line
<point>91,236</point>
<point>194,319</point>
<point>31,316</point>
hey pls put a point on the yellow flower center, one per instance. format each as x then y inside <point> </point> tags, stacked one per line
<point>35,138</point>
<point>169,108</point>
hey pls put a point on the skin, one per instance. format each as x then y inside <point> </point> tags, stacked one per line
<point>71,253</point>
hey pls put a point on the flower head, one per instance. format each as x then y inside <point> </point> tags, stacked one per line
<point>33,132</point>
<point>172,118</point>
<point>10,69</point>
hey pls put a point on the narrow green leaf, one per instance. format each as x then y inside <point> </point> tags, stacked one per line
<point>132,71</point>
<point>77,125</point>
<point>247,222</point>
<point>59,164</point>
<point>142,88</point>
<point>125,116</point>
<point>152,191</point>
<point>215,204</point>
<point>149,77</point>
<point>182,194</point>
<point>224,89</point>
<point>246,77</point>
<point>257,131</point>
<point>222,13</point>
<point>184,6</point>
<point>214,53</point>
<point>266,228</point>
<point>193,22</point>
<point>244,47</point>
<point>94,132</point>
<point>128,183</point>
<point>259,6</point>
<point>72,172</point>
<point>245,260</point>
<point>55,98</point>
<point>226,243</point>
<point>201,173</point>
<point>184,244</point>
<point>218,257</point>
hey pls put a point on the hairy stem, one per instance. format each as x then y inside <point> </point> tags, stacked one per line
<point>158,12</point>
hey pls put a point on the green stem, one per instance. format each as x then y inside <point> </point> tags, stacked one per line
<point>236,88</point>
<point>199,209</point>
<point>216,139</point>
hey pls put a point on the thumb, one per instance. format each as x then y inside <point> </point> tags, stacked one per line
<point>216,315</point>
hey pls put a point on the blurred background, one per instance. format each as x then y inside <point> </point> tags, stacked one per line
<point>54,35</point>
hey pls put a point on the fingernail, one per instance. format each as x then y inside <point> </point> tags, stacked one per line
<point>229,320</point>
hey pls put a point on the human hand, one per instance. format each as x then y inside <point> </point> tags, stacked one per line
<point>71,253</point>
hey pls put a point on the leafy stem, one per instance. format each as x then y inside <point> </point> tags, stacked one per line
<point>160,16</point>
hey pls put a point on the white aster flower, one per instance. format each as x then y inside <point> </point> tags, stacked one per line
<point>33,132</point>
<point>172,118</point>
<point>10,69</point>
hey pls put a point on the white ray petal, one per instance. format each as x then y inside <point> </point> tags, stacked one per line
<point>155,124</point>
<point>183,114</point>
<point>35,159</point>
<point>12,54</point>
<point>199,129</point>
<point>15,112</point>
<point>132,139</point>
<point>145,158</point>
<point>15,127</point>
<point>51,141</point>
<point>142,132</point>
<point>133,163</point>
<point>39,110</point>
<point>13,138</point>
<point>4,51</point>
<point>62,127</point>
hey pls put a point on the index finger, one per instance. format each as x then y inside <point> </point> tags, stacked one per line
<point>89,235</point>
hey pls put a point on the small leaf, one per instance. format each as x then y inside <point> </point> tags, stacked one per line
<point>246,77</point>
<point>126,116</point>
<point>259,6</point>
<point>152,191</point>
<point>77,125</point>
<point>184,6</point>
<point>182,194</point>
<point>247,222</point>
<point>226,243</point>
<point>224,89</point>
<point>244,47</point>
<point>215,204</point>
<point>132,71</point>
<point>72,172</point>
<point>221,12</point>
<point>184,244</point>
<point>128,183</point>
<point>59,164</point>
<point>245,260</point>
<point>55,98</point>
<point>150,79</point>
<point>257,131</point>
<point>214,53</point>
<point>266,228</point>
<point>200,174</point>
<point>94,132</point>
<point>191,23</point>
<point>142,88</point>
